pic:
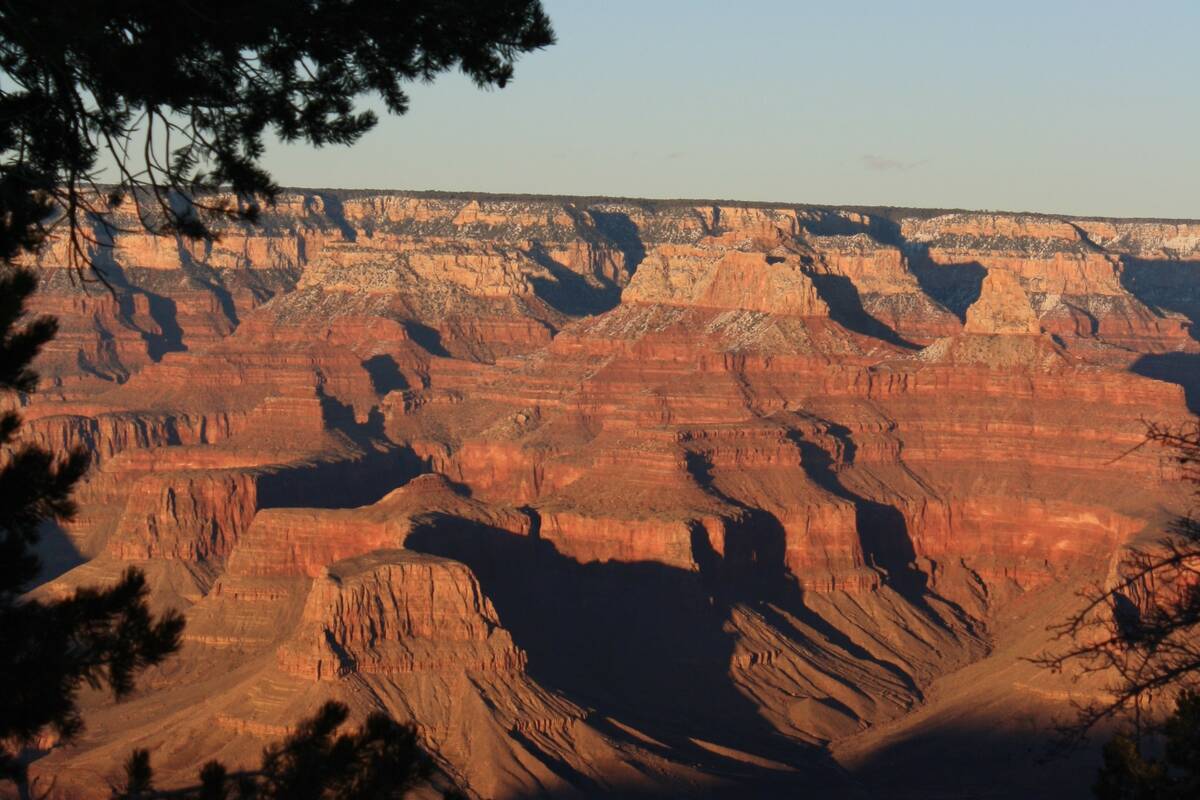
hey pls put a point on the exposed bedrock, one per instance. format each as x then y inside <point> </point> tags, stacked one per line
<point>609,496</point>
<point>394,611</point>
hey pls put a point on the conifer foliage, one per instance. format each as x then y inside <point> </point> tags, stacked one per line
<point>1143,629</point>
<point>162,106</point>
<point>174,97</point>
<point>381,759</point>
<point>49,649</point>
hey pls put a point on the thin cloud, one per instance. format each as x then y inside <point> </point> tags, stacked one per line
<point>884,164</point>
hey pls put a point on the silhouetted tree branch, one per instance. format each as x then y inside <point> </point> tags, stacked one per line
<point>48,649</point>
<point>1143,627</point>
<point>382,759</point>
<point>1128,774</point>
<point>175,96</point>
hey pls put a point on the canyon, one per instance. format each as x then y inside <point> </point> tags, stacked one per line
<point>618,497</point>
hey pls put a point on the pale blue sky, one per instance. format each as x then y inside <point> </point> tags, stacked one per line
<point>1072,106</point>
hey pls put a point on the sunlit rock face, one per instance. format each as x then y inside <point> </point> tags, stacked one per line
<point>660,497</point>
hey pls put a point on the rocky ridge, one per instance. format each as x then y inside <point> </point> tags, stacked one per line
<point>606,495</point>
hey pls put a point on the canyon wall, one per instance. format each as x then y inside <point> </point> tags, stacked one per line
<point>604,495</point>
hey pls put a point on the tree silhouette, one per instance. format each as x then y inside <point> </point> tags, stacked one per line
<point>1144,629</point>
<point>1129,775</point>
<point>50,648</point>
<point>381,759</point>
<point>177,95</point>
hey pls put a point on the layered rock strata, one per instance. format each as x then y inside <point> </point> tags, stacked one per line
<point>606,495</point>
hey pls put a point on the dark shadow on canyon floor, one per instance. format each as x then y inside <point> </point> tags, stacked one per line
<point>1166,285</point>
<point>617,227</point>
<point>641,642</point>
<point>428,338</point>
<point>753,570</point>
<point>1182,369</point>
<point>833,222</point>
<point>169,336</point>
<point>332,204</point>
<point>598,289</point>
<point>345,483</point>
<point>955,286</point>
<point>882,529</point>
<point>959,760</point>
<point>798,786</point>
<point>203,275</point>
<point>568,291</point>
<point>846,309</point>
<point>753,574</point>
<point>385,374</point>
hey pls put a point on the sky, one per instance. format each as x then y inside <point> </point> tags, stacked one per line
<point>1089,108</point>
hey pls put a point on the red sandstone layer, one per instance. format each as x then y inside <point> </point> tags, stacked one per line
<point>604,496</point>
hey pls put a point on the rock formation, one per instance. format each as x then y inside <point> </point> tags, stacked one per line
<point>614,496</point>
<point>1002,307</point>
